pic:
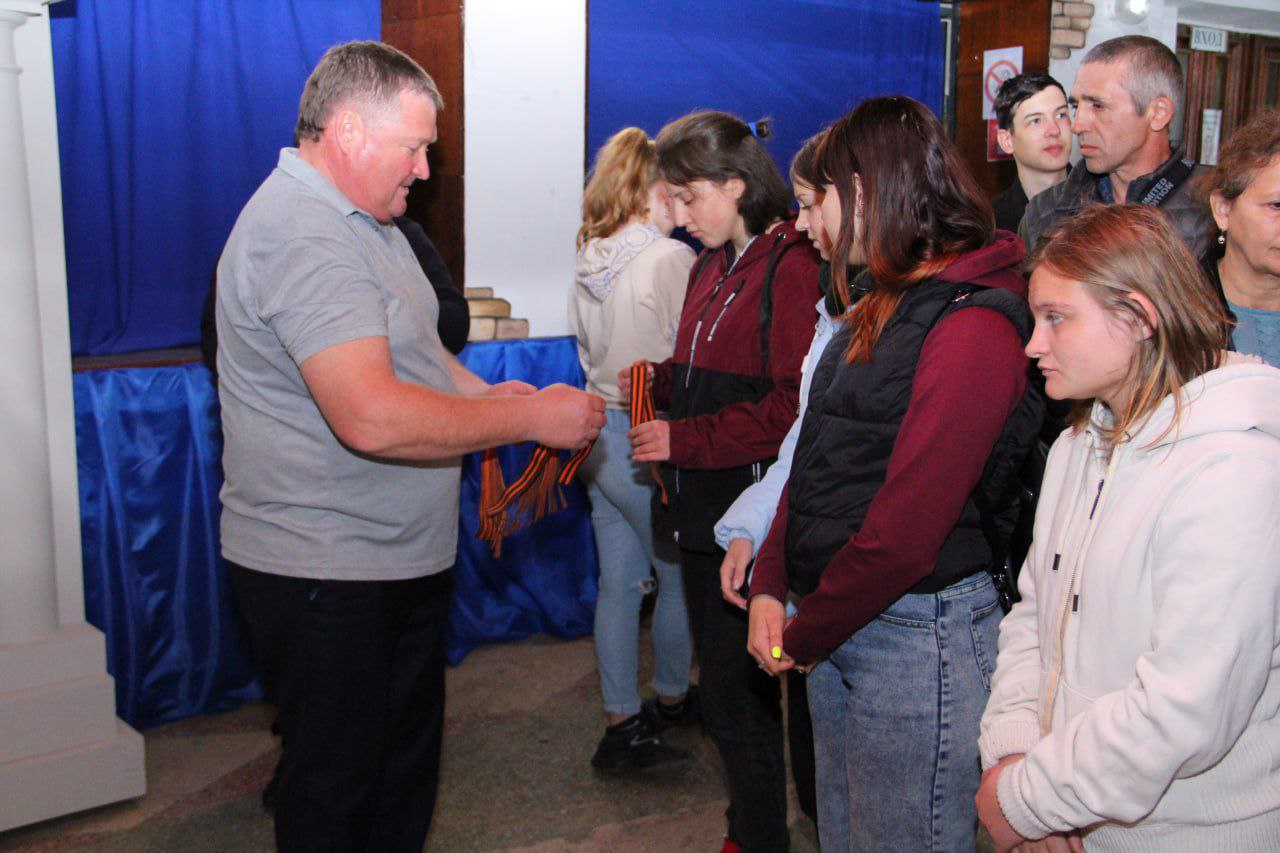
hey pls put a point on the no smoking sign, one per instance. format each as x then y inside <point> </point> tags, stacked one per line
<point>997,66</point>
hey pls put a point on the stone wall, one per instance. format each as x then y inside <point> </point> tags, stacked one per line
<point>1068,28</point>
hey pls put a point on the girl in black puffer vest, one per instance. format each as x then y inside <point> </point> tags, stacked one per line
<point>918,413</point>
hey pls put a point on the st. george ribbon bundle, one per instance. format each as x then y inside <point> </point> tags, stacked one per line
<point>505,510</point>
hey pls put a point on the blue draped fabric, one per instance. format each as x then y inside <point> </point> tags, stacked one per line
<point>803,62</point>
<point>545,580</point>
<point>149,445</point>
<point>170,113</point>
<point>149,448</point>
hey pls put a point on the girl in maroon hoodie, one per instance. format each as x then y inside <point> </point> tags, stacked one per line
<point>731,390</point>
<point>918,414</point>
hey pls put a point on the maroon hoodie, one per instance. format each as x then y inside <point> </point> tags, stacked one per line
<point>971,374</point>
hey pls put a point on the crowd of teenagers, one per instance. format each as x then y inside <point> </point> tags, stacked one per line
<point>857,403</point>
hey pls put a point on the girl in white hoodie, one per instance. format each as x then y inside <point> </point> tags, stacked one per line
<point>624,307</point>
<point>1136,699</point>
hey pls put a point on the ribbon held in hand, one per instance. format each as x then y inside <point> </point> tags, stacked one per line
<point>643,411</point>
<point>506,510</point>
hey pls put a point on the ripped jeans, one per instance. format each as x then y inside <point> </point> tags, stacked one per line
<point>620,491</point>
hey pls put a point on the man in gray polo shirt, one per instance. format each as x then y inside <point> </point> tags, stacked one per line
<point>344,418</point>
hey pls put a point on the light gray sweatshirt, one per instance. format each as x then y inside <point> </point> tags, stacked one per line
<point>1140,672</point>
<point>625,303</point>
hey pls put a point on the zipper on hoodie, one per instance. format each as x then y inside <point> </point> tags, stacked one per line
<point>1097,495</point>
<point>715,291</point>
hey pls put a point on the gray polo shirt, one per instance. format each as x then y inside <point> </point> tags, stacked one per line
<point>305,270</point>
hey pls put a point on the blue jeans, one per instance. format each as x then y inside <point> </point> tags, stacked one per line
<point>620,491</point>
<point>895,723</point>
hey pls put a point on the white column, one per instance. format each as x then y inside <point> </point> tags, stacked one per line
<point>61,747</point>
<point>28,576</point>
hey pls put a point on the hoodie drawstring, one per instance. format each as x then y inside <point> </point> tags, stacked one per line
<point>1070,598</point>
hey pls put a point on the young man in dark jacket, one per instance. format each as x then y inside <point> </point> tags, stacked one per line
<point>1034,124</point>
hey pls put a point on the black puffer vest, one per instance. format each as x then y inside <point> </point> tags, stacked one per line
<point>852,422</point>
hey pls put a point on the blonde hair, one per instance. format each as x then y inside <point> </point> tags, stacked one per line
<point>1118,249</point>
<point>618,186</point>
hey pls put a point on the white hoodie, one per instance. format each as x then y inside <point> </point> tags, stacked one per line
<point>625,304</point>
<point>1139,673</point>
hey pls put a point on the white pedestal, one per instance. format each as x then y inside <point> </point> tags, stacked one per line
<point>61,747</point>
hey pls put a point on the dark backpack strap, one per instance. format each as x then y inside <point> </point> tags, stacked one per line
<point>1004,567</point>
<point>703,258</point>
<point>779,249</point>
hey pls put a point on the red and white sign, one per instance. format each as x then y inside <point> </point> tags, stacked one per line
<point>997,66</point>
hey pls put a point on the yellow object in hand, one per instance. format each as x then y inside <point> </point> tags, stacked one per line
<point>776,651</point>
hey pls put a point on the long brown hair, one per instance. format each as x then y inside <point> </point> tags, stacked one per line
<point>618,187</point>
<point>921,207</point>
<point>1118,249</point>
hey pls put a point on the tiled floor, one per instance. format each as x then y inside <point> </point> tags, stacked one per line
<point>522,721</point>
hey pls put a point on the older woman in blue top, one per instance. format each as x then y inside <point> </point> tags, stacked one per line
<point>1244,195</point>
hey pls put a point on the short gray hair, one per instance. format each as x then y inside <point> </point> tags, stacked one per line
<point>1152,69</point>
<point>369,73</point>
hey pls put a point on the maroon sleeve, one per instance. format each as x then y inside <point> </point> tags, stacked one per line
<point>769,575</point>
<point>663,378</point>
<point>971,375</point>
<point>742,433</point>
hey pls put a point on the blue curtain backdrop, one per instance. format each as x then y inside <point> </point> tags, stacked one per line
<point>170,113</point>
<point>149,447</point>
<point>803,62</point>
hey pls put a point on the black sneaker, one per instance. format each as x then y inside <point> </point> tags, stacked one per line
<point>633,744</point>
<point>686,712</point>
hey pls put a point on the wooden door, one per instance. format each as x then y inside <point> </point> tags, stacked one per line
<point>988,25</point>
<point>430,31</point>
<point>1264,77</point>
<point>1239,83</point>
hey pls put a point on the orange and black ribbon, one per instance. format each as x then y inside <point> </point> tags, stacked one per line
<point>505,510</point>
<point>643,411</point>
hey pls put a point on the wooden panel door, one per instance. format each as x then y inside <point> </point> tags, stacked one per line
<point>1265,78</point>
<point>987,25</point>
<point>430,31</point>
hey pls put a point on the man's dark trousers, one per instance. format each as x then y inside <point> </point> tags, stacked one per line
<point>357,669</point>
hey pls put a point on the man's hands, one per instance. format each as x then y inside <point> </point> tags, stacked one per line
<point>566,417</point>
<point>651,442</point>
<point>733,571</point>
<point>767,617</point>
<point>509,388</point>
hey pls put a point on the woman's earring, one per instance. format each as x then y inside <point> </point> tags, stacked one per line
<point>1222,238</point>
